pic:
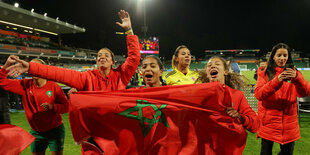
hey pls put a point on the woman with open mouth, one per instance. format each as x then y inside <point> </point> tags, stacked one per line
<point>104,78</point>
<point>152,69</point>
<point>217,70</point>
<point>181,73</point>
<point>277,89</point>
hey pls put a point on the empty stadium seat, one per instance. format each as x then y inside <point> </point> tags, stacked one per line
<point>303,107</point>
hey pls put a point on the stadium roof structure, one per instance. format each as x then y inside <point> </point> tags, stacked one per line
<point>26,19</point>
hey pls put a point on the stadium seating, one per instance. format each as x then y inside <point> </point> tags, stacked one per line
<point>301,64</point>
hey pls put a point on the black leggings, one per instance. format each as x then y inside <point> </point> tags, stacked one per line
<point>286,149</point>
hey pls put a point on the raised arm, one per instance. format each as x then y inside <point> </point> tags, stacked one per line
<point>129,67</point>
<point>66,76</point>
<point>132,62</point>
<point>14,86</point>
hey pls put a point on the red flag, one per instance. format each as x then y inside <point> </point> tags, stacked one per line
<point>14,139</point>
<point>188,119</point>
<point>90,149</point>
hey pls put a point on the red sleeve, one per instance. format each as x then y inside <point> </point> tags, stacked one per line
<point>251,121</point>
<point>266,89</point>
<point>302,85</point>
<point>68,77</point>
<point>62,104</point>
<point>14,86</point>
<point>129,67</point>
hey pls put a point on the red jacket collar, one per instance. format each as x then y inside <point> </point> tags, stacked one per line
<point>278,70</point>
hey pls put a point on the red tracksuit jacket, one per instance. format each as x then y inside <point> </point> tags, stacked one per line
<point>92,80</point>
<point>251,120</point>
<point>277,106</point>
<point>40,120</point>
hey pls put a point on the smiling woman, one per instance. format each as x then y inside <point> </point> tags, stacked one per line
<point>277,89</point>
<point>103,78</point>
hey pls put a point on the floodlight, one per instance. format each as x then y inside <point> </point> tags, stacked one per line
<point>16,5</point>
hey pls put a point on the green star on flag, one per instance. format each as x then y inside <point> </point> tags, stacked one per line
<point>159,116</point>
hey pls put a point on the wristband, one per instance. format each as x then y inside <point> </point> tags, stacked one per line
<point>129,31</point>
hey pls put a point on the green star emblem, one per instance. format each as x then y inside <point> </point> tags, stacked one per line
<point>159,116</point>
<point>49,93</point>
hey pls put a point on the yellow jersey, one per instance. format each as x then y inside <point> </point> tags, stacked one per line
<point>176,77</point>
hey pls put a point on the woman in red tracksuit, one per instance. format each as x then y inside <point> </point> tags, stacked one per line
<point>43,102</point>
<point>277,89</point>
<point>103,78</point>
<point>217,70</point>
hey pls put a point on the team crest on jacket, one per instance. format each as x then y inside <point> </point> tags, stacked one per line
<point>49,93</point>
<point>146,122</point>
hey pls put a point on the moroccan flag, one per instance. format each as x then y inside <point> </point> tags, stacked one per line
<point>187,119</point>
<point>14,139</point>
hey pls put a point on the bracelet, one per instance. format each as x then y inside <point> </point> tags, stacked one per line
<point>129,31</point>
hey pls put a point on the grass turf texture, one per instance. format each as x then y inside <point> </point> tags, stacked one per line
<point>19,119</point>
<point>252,145</point>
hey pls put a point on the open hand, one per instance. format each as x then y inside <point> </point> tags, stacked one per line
<point>126,23</point>
<point>10,61</point>
<point>19,68</point>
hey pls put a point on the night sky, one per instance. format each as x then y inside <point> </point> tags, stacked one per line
<point>199,24</point>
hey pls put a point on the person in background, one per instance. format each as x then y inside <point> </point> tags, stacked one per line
<point>262,66</point>
<point>276,90</point>
<point>181,73</point>
<point>43,102</point>
<point>233,66</point>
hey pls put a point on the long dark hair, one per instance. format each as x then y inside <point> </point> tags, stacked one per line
<point>271,65</point>
<point>160,64</point>
<point>232,79</point>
